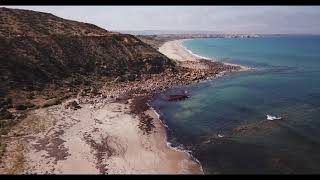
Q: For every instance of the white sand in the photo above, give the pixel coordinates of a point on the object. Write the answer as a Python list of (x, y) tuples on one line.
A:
[(174, 50)]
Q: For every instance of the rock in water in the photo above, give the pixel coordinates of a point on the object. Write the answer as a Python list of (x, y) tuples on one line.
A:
[(176, 97)]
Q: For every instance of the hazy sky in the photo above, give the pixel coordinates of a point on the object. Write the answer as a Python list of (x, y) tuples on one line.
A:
[(230, 19)]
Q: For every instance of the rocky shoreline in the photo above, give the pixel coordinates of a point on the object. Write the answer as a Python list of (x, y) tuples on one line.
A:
[(74, 98), (89, 119), (142, 90)]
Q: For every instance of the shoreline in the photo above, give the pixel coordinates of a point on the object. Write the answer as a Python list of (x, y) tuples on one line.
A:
[(174, 49), (169, 144), (189, 156), (180, 52), (108, 131)]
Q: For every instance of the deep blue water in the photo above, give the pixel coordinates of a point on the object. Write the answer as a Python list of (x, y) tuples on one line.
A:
[(285, 82)]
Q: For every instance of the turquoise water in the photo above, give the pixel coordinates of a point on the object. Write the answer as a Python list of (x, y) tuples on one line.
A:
[(286, 83)]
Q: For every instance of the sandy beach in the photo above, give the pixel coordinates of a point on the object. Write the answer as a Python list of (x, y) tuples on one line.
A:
[(101, 137), (175, 50)]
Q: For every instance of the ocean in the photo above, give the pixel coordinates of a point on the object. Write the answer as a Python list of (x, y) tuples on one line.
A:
[(224, 122)]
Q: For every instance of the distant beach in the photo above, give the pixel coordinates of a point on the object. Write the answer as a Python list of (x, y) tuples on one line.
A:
[(175, 50)]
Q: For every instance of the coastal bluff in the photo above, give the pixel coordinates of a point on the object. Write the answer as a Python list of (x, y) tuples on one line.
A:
[(38, 48)]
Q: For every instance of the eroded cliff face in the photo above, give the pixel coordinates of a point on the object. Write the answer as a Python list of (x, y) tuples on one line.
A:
[(38, 48)]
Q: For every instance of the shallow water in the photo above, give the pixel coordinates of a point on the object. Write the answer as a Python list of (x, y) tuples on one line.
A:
[(286, 83)]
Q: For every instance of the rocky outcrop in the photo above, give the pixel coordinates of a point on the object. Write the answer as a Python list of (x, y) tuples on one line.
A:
[(187, 72)]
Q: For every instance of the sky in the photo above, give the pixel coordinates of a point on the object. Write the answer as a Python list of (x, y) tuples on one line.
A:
[(226, 19)]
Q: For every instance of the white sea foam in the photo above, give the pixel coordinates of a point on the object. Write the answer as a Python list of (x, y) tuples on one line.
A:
[(158, 116), (271, 118), (245, 68), (193, 54), (179, 147), (220, 135)]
